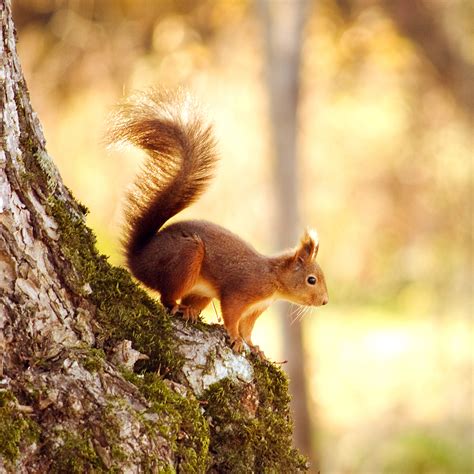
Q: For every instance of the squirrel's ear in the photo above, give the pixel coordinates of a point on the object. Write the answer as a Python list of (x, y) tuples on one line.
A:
[(309, 245)]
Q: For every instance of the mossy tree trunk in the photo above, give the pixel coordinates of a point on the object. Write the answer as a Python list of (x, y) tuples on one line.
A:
[(94, 376)]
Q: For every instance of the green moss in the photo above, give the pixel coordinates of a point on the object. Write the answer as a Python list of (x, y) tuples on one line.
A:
[(76, 454), (185, 428), (231, 449), (16, 429), (110, 427), (93, 360), (257, 432), (275, 449), (38, 168), (124, 310)]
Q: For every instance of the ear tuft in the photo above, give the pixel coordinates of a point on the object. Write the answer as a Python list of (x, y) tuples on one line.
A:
[(311, 235), (309, 245)]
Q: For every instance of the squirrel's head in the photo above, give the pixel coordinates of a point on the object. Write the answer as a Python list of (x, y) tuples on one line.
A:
[(302, 280)]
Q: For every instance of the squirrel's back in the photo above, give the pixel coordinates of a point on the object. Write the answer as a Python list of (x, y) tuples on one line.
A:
[(180, 160)]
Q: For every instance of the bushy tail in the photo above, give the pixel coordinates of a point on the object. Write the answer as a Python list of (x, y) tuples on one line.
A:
[(180, 160)]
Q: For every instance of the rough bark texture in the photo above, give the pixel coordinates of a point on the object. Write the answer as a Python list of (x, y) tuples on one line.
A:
[(94, 375)]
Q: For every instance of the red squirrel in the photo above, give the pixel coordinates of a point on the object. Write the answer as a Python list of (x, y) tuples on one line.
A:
[(191, 262)]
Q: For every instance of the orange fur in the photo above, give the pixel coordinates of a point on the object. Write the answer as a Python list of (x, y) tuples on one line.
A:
[(191, 262)]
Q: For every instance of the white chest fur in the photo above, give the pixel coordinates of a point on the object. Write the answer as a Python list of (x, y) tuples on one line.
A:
[(204, 288), (259, 306)]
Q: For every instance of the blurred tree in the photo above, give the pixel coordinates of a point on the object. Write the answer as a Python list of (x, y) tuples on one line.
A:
[(283, 25), (420, 21)]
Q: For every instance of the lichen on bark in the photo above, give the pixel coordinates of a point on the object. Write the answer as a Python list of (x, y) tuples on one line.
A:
[(17, 430), (94, 375)]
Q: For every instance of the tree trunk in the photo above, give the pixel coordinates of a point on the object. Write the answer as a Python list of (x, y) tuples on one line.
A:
[(283, 25), (94, 375)]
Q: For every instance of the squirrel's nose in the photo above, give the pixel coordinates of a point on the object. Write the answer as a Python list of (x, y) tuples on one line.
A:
[(325, 300)]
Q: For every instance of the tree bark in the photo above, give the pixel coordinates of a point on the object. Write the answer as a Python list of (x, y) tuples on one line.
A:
[(94, 375)]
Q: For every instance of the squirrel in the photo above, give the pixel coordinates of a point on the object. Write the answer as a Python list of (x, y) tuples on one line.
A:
[(191, 262)]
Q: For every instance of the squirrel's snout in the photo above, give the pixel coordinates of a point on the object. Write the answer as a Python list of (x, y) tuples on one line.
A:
[(325, 300)]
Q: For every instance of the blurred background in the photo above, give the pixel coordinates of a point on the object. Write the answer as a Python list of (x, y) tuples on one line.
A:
[(384, 143)]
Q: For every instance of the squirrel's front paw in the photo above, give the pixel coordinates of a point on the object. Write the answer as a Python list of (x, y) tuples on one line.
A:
[(237, 345)]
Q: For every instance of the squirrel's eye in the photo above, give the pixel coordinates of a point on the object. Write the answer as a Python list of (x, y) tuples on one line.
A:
[(311, 280)]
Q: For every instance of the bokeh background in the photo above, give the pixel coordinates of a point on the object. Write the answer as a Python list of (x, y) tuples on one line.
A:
[(385, 146)]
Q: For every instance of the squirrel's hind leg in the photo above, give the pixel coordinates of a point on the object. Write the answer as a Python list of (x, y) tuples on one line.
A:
[(184, 269)]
